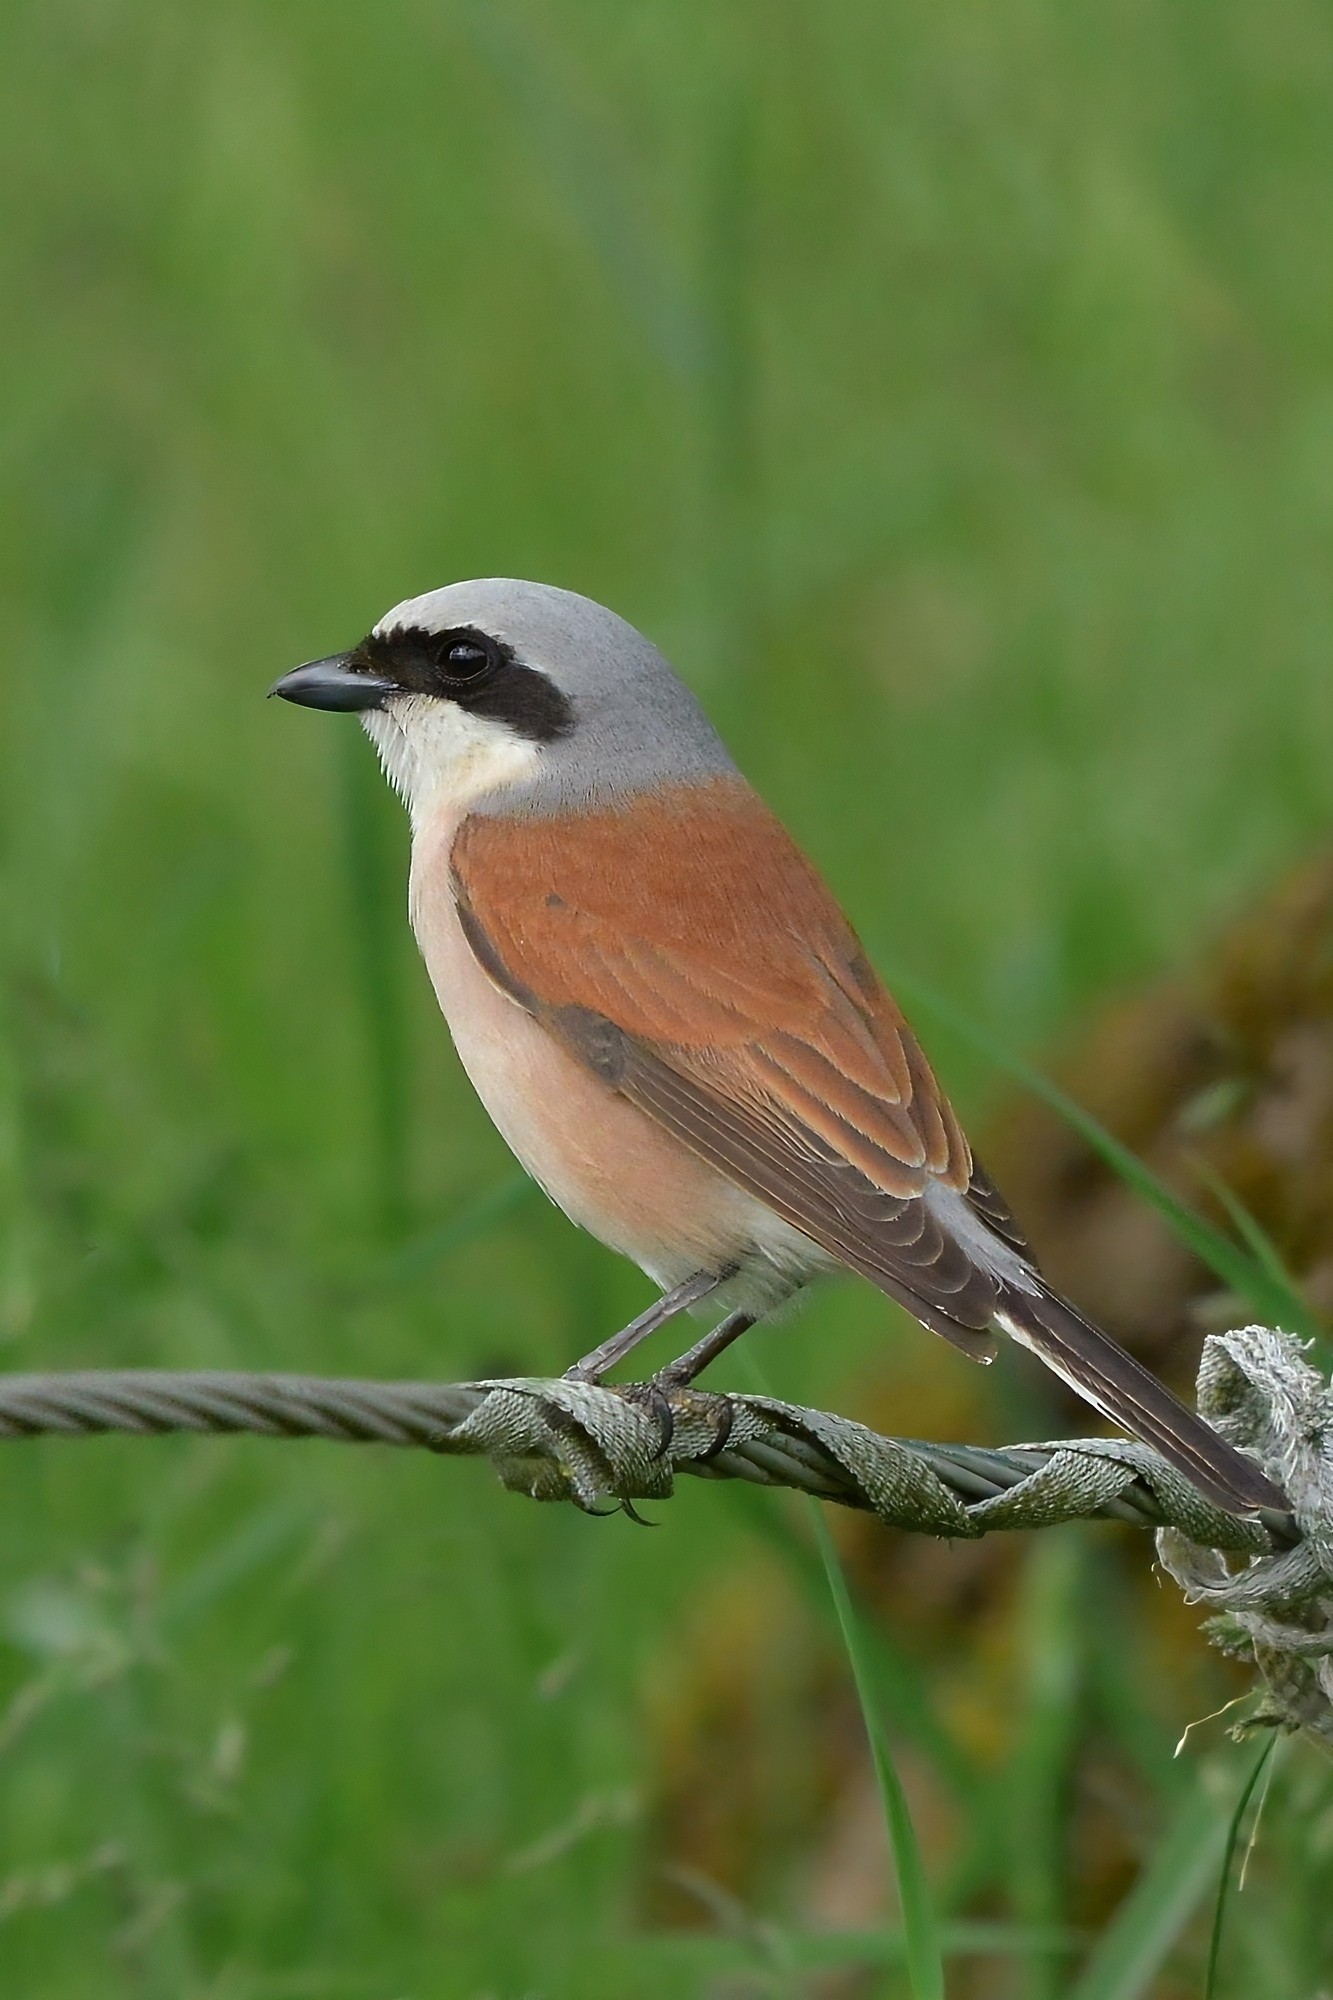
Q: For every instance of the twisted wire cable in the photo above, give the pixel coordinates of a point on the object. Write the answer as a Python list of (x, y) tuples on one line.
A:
[(562, 1439), (1267, 1580)]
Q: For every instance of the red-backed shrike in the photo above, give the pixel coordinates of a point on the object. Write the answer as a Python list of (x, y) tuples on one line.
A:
[(666, 1013)]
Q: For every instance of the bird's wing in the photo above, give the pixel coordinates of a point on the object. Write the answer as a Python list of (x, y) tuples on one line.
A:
[(684, 949)]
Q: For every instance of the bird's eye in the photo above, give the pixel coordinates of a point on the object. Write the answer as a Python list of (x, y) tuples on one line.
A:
[(465, 660)]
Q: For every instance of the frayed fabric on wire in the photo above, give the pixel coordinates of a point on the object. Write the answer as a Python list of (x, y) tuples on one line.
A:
[(1270, 1579), (1277, 1613)]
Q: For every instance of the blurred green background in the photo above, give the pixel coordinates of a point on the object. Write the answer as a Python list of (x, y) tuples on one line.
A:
[(949, 390)]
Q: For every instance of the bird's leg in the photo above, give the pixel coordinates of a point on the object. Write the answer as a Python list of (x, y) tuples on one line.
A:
[(593, 1367), (655, 1396), (691, 1364)]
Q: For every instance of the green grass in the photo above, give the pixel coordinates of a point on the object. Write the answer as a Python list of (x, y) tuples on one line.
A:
[(948, 390), (1250, 1267), (922, 1946)]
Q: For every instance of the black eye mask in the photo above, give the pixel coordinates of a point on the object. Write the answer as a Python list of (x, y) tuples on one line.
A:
[(478, 672)]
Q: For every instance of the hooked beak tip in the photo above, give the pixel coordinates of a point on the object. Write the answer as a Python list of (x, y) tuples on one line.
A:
[(334, 683)]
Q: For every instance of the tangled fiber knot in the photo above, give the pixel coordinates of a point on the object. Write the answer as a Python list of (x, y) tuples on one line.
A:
[(1276, 1611)]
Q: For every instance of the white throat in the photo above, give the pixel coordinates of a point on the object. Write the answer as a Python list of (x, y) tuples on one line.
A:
[(438, 757)]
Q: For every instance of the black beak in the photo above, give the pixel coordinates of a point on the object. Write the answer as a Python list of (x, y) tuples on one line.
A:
[(334, 683)]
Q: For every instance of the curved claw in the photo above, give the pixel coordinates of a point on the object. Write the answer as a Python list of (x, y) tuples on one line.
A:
[(726, 1423)]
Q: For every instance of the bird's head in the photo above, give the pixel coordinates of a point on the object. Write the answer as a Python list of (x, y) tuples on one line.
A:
[(499, 690)]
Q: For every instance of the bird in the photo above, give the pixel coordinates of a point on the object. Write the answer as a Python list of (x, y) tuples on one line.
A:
[(667, 1015)]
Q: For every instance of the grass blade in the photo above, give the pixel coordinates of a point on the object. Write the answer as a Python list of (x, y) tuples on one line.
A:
[(921, 1931), (1261, 1763), (1257, 1239), (1132, 1950), (422, 1253), (709, 1952), (1269, 1293), (593, 169), (1052, 1622), (374, 918), (900, 1687)]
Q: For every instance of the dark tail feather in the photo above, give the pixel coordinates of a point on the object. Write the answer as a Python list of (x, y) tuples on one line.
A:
[(1123, 1390)]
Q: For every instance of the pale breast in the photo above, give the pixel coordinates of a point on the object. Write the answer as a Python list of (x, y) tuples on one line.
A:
[(605, 1163)]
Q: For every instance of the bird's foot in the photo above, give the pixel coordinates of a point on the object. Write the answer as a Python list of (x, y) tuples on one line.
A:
[(668, 1399)]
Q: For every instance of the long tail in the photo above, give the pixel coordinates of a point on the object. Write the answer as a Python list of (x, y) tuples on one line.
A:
[(1123, 1390)]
